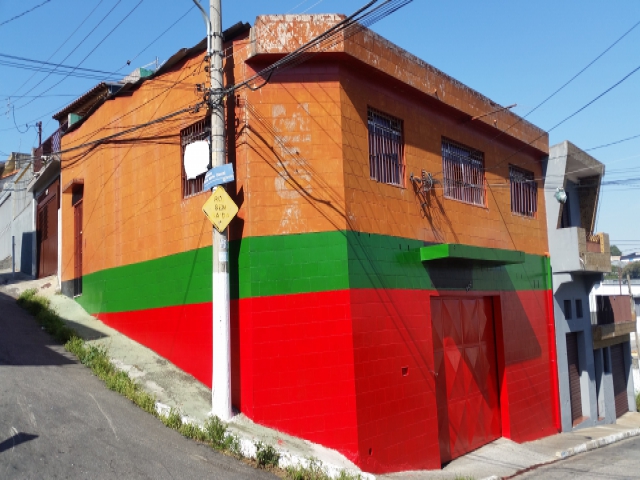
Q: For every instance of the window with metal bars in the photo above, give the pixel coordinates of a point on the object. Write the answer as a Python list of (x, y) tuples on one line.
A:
[(463, 173), (386, 149), (198, 131), (524, 192)]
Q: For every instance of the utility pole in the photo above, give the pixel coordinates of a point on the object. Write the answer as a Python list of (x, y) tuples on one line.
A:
[(39, 125), (221, 382)]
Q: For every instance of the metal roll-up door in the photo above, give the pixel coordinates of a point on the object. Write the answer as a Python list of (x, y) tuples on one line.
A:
[(574, 377), (619, 379)]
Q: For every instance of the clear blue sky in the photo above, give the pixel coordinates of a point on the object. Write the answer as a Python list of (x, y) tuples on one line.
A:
[(511, 51)]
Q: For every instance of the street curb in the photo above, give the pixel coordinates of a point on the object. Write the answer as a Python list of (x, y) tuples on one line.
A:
[(578, 449), (287, 459), (598, 443)]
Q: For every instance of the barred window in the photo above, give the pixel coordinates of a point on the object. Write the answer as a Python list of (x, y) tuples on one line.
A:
[(463, 173), (198, 131), (524, 192), (386, 158)]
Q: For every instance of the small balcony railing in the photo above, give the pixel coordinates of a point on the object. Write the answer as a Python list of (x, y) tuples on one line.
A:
[(612, 309), (594, 243)]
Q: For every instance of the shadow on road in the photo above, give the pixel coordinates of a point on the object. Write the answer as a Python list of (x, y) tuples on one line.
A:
[(22, 341), (16, 440)]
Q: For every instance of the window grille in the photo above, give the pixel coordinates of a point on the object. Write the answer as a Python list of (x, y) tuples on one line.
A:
[(524, 192), (386, 156), (463, 173), (198, 131)]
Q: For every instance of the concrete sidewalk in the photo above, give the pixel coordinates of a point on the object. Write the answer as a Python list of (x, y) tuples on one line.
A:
[(175, 389)]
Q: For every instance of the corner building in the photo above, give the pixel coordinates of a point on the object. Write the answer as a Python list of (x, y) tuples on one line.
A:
[(391, 290)]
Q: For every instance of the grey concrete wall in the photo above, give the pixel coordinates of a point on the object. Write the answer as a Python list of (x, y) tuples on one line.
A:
[(17, 222), (6, 215), (572, 289)]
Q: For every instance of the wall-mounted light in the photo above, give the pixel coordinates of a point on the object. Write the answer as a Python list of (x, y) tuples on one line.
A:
[(561, 195)]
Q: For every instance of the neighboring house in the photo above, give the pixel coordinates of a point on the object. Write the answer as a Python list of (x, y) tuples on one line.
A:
[(17, 235), (390, 282), (594, 354), (629, 257), (45, 188)]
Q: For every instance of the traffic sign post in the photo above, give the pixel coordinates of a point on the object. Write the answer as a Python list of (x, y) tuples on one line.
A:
[(220, 209)]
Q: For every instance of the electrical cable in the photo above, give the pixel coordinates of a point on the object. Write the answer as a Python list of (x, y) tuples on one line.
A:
[(76, 47), (570, 80), (24, 13), (93, 50), (157, 38), (61, 45), (299, 55)]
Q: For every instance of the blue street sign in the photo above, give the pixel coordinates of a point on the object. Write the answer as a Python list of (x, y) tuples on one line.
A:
[(218, 176)]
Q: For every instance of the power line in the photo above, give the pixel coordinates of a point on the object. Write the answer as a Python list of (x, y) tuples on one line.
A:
[(571, 79), (93, 50), (60, 46), (157, 38), (612, 143), (366, 15), (75, 48), (24, 13)]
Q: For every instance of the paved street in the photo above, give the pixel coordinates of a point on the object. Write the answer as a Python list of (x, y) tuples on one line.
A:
[(58, 421), (617, 461)]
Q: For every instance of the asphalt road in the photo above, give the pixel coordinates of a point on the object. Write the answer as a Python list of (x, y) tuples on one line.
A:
[(59, 421), (617, 461)]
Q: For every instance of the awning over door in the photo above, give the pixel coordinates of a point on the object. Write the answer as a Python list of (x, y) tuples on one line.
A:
[(497, 256)]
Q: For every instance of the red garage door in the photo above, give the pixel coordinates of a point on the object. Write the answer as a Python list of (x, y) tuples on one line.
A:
[(466, 375)]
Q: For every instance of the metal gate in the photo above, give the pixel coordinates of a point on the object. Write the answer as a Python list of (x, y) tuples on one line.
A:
[(77, 248), (47, 232), (466, 375), (574, 377), (618, 372)]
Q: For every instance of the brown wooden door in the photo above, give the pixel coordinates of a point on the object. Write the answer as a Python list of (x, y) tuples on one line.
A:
[(466, 375), (47, 232), (618, 371), (574, 377), (77, 248)]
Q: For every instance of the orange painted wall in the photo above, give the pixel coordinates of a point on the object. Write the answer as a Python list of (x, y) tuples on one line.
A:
[(390, 210), (133, 205), (289, 155), (301, 155)]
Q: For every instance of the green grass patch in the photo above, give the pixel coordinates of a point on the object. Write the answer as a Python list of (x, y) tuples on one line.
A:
[(266, 455), (314, 471), (47, 318), (638, 402)]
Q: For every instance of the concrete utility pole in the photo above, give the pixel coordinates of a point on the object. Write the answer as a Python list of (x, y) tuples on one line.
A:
[(221, 382)]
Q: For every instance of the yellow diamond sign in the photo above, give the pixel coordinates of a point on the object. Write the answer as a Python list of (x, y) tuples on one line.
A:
[(220, 209)]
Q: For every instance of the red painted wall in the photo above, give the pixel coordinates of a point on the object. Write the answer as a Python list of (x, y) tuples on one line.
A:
[(298, 376), (181, 334), (328, 366)]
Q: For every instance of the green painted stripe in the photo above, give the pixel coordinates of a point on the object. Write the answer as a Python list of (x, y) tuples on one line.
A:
[(379, 261), (179, 279), (278, 265), (303, 263)]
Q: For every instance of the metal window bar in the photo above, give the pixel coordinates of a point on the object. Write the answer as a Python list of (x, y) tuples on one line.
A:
[(524, 192), (463, 172), (386, 158), (198, 131)]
